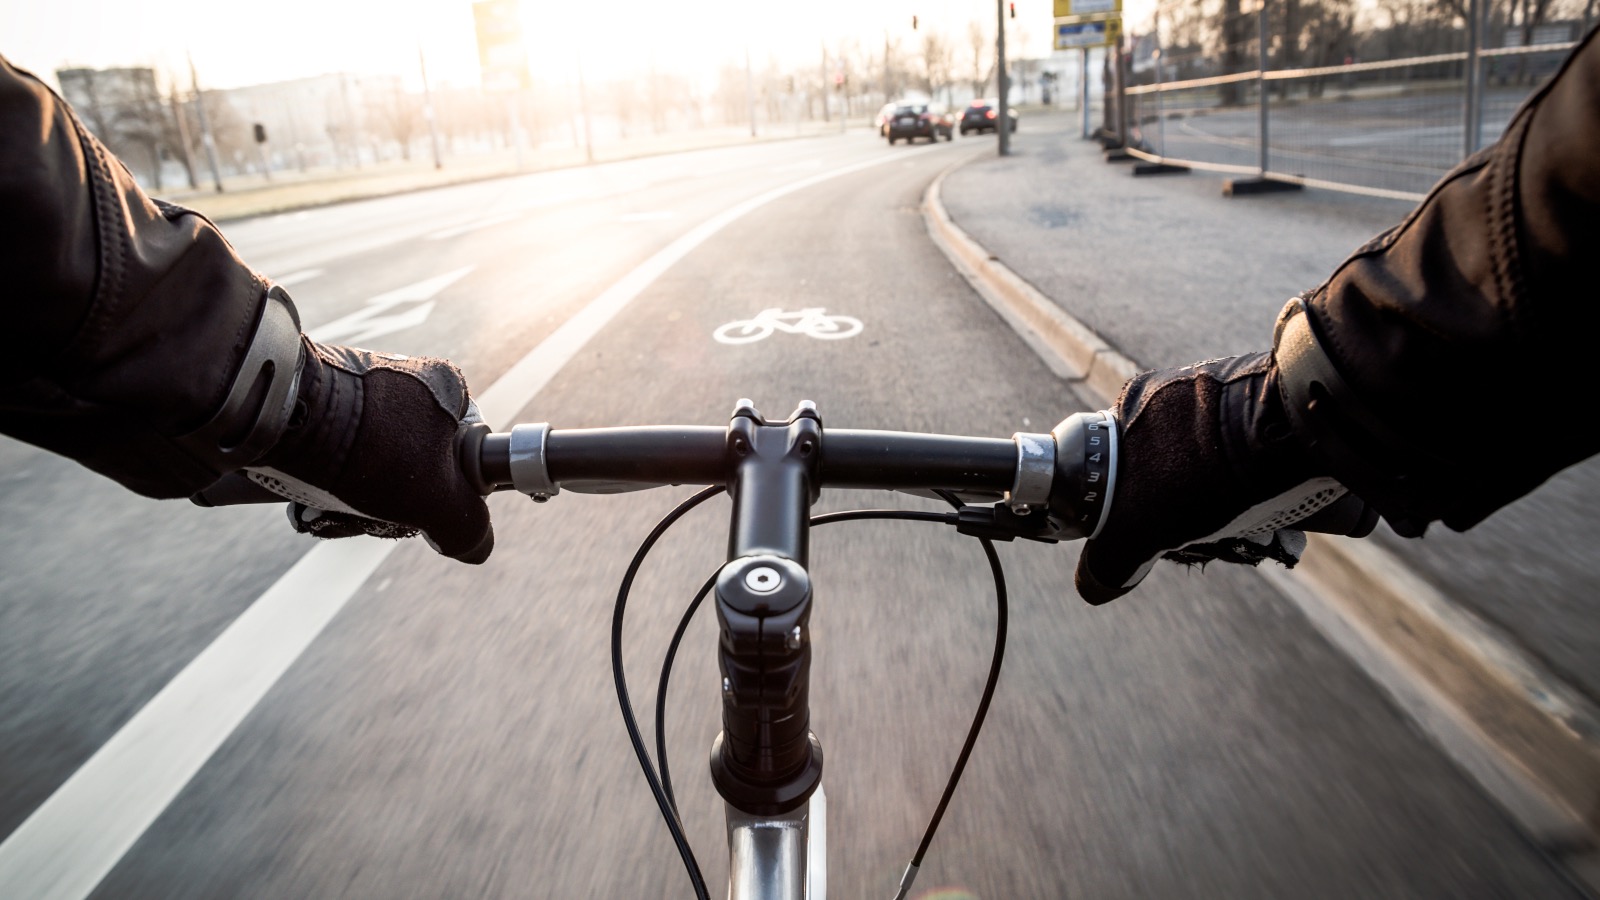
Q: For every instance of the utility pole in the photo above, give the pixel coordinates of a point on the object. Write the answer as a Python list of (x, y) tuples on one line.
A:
[(749, 91), (1472, 125), (427, 108), (826, 81), (183, 135), (205, 127), (1083, 89), (352, 131), (583, 102), (1004, 128)]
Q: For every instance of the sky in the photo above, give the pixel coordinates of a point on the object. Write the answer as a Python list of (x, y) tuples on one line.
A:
[(235, 44)]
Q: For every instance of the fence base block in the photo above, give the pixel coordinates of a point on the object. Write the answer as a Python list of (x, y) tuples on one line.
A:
[(1117, 154), (1241, 187), (1150, 168)]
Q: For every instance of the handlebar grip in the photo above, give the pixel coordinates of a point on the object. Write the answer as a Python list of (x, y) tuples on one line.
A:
[(234, 489)]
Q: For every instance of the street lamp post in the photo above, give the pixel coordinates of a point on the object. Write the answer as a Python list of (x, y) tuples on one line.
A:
[(427, 109), (1004, 128), (205, 128)]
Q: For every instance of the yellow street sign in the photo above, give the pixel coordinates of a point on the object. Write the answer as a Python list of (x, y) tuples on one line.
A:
[(1066, 8), (502, 55)]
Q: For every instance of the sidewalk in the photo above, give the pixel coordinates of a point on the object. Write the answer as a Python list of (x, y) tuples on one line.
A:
[(1499, 622), (244, 196)]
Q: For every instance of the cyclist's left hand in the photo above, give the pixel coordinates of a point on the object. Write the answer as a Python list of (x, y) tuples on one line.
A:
[(371, 449), (1207, 469)]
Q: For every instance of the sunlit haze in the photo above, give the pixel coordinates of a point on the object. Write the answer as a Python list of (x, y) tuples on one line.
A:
[(235, 44)]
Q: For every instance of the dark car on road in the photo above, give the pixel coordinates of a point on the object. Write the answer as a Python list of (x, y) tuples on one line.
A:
[(914, 120), (984, 115)]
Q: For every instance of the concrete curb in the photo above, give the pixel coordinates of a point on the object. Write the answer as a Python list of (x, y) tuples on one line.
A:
[(1530, 741)]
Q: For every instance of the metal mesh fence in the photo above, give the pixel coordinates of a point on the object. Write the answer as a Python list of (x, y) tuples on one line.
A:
[(1391, 127), (1394, 127)]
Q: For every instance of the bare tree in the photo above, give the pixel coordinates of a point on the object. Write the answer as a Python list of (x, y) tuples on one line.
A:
[(125, 109), (938, 62), (979, 44), (399, 117)]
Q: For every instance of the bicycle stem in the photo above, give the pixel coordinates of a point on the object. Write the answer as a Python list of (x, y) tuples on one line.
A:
[(766, 761)]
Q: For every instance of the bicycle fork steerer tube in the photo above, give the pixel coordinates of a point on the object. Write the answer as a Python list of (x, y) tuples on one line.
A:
[(766, 764)]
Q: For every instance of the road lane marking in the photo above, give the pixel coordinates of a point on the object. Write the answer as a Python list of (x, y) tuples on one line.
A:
[(470, 227), (71, 842), (811, 322), (74, 839), (294, 278), (658, 216), (376, 318)]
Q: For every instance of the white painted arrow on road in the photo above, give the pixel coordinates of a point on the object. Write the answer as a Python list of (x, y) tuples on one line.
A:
[(379, 317)]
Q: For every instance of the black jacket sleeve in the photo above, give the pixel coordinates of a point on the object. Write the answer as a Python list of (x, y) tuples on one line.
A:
[(127, 317), (1464, 334)]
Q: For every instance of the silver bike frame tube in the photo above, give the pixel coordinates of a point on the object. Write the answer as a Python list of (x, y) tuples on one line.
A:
[(779, 857)]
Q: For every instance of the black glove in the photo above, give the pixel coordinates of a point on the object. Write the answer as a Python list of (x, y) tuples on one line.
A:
[(371, 449), (1208, 469)]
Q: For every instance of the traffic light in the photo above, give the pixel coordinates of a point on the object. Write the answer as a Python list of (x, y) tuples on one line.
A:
[(913, 23), (1013, 10), (261, 133)]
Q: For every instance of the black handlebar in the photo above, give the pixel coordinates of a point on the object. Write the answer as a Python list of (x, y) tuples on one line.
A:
[(610, 460), (649, 456)]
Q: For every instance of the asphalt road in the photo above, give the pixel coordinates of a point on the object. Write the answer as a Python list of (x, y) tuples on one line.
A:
[(452, 731)]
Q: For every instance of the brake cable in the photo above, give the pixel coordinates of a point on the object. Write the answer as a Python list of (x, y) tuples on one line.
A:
[(661, 784)]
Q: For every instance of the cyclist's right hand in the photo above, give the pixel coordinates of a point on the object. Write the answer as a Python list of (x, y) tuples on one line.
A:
[(371, 449), (1208, 469)]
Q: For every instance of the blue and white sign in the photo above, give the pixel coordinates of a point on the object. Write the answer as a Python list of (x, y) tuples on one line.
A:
[(1094, 33)]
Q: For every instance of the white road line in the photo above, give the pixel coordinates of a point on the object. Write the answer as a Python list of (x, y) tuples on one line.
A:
[(63, 850), (294, 278), (376, 318), (472, 226), (80, 833), (656, 216)]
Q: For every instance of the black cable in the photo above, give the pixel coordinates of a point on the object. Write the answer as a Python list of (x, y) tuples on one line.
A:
[(914, 515), (989, 685), (983, 704), (668, 811), (661, 687)]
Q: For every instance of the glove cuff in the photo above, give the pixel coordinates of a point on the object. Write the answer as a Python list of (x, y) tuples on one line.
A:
[(323, 427), (1340, 430), (259, 404)]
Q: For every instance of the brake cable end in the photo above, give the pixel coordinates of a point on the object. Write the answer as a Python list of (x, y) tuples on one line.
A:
[(1000, 523), (906, 880)]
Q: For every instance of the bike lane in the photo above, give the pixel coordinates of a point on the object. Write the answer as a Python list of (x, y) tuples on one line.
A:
[(453, 732)]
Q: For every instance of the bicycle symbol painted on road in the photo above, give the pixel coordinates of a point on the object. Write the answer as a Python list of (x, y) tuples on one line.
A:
[(812, 322)]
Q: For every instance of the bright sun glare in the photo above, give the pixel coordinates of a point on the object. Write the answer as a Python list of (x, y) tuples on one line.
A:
[(236, 44)]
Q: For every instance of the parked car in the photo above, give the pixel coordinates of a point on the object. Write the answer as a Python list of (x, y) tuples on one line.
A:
[(984, 115), (914, 120)]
